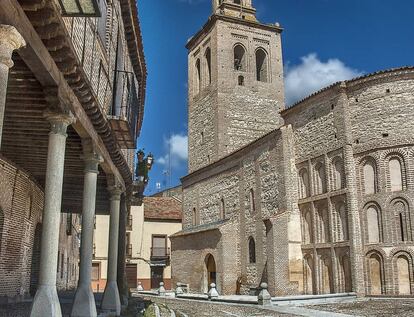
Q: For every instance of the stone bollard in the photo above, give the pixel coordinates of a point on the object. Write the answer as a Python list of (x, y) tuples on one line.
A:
[(264, 297), (161, 290), (140, 288), (212, 293), (179, 290)]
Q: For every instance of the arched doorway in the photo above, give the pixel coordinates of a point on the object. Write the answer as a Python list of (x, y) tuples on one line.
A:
[(211, 270), (35, 267)]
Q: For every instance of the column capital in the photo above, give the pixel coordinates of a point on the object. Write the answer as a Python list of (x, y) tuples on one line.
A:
[(91, 156), (10, 40), (115, 192), (59, 122)]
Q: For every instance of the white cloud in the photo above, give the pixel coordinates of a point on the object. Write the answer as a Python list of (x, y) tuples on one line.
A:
[(313, 74), (177, 145)]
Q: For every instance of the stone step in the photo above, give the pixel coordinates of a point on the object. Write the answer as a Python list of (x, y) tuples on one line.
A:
[(301, 300)]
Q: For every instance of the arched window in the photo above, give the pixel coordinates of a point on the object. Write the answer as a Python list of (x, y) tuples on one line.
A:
[(343, 221), (197, 83), (395, 174), (307, 227), (404, 278), (252, 202), (222, 209), (252, 250), (207, 56), (373, 224), (323, 224), (346, 274), (308, 272), (303, 183), (338, 174), (240, 63), (326, 273), (320, 185), (375, 274), (261, 65), (195, 217), (1, 227), (370, 178), (404, 221)]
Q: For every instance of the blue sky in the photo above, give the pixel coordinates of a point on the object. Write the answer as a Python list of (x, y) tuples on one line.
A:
[(324, 41)]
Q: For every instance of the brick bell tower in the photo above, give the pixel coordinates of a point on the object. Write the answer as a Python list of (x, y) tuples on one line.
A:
[(235, 82)]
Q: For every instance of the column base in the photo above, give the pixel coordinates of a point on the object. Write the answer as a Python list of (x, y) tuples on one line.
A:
[(111, 300), (46, 302), (84, 303)]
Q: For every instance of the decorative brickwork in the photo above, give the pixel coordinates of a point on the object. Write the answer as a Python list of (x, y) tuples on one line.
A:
[(327, 197)]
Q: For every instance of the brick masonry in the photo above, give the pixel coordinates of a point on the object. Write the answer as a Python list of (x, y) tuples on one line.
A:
[(299, 186), (21, 205)]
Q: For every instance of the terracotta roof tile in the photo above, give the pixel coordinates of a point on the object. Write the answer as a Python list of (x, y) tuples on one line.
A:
[(162, 208)]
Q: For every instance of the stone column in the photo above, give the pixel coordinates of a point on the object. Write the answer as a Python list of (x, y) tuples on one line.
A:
[(84, 303), (111, 300), (46, 301), (10, 40)]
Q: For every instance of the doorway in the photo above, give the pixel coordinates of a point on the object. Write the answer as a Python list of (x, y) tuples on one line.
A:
[(157, 276), (211, 271)]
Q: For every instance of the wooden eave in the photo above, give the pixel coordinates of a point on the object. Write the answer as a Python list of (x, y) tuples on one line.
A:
[(51, 57)]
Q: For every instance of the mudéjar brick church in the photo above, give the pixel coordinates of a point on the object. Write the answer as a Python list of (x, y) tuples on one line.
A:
[(315, 198)]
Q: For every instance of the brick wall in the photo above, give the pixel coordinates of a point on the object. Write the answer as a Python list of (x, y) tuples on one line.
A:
[(21, 205), (331, 136)]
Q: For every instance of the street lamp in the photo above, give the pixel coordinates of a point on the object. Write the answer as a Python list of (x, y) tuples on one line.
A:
[(80, 8)]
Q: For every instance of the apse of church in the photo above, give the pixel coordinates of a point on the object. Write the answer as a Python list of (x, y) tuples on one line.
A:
[(314, 198)]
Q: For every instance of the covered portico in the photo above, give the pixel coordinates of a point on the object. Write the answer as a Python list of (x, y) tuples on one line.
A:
[(52, 127)]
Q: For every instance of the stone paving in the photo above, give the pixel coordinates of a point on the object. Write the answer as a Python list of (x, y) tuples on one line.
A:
[(373, 307)]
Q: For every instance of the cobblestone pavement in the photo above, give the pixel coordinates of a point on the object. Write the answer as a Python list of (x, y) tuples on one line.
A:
[(372, 307)]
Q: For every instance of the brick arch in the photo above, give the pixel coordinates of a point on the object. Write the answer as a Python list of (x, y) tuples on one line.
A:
[(401, 156), (375, 272), (403, 277), (367, 224), (319, 180), (308, 273), (337, 181), (401, 222), (369, 160)]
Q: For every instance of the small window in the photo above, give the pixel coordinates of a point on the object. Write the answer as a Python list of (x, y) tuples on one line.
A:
[(208, 64), (237, 1), (252, 202), (241, 80), (261, 65), (252, 250), (197, 83), (194, 217), (240, 58)]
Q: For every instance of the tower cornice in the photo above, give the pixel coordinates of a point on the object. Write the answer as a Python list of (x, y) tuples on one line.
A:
[(200, 35)]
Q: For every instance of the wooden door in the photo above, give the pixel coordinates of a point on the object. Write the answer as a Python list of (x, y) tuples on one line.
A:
[(131, 275)]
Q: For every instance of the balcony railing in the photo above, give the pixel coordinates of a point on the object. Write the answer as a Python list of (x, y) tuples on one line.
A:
[(129, 250), (124, 119), (129, 223), (160, 253)]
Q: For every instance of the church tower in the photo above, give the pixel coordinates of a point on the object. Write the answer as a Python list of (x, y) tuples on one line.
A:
[(235, 82)]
